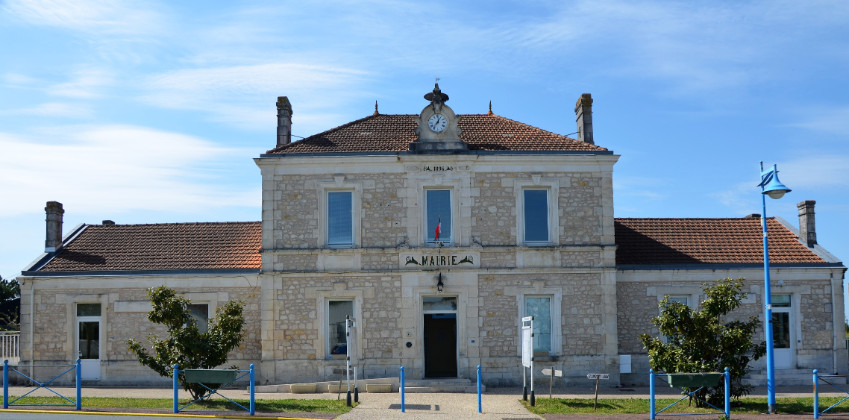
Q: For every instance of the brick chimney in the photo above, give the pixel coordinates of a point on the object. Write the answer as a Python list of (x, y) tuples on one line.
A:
[(584, 117), (284, 121), (807, 223), (54, 226)]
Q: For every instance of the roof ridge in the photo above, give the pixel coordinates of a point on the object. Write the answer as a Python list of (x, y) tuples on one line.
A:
[(174, 224), (278, 149), (527, 125)]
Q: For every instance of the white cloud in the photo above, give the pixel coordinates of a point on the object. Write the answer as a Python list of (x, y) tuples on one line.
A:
[(833, 120), (90, 16), (85, 83), (116, 168), (53, 109)]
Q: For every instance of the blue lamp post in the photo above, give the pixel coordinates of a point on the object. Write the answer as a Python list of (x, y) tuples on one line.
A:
[(771, 186)]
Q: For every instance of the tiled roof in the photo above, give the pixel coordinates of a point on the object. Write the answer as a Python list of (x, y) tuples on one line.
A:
[(393, 133), (707, 241), (156, 247), (236, 245)]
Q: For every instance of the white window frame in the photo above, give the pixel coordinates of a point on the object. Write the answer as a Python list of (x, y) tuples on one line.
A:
[(553, 188), (340, 185), (326, 327), (556, 296)]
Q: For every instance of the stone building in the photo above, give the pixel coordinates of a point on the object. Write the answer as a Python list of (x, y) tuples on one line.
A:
[(436, 232)]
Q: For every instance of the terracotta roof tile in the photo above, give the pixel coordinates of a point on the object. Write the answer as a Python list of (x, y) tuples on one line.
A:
[(394, 133), (174, 246), (236, 245), (707, 241)]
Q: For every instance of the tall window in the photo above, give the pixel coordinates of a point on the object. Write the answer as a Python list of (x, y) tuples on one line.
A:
[(200, 313), (337, 310), (536, 216), (539, 307), (340, 219), (438, 216)]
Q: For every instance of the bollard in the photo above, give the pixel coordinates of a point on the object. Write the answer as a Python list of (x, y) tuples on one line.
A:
[(479, 390), (816, 397), (651, 393), (6, 384), (253, 401), (175, 384), (402, 389), (79, 378), (727, 393)]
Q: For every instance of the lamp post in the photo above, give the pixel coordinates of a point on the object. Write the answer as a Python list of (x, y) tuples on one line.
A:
[(770, 185)]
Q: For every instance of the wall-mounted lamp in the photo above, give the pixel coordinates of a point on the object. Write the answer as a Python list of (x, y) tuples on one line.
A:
[(440, 285)]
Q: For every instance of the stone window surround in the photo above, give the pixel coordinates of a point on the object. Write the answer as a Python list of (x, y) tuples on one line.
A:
[(322, 344), (75, 319), (340, 184), (537, 183), (556, 295)]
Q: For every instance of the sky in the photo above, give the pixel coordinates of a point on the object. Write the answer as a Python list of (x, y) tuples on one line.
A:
[(152, 112)]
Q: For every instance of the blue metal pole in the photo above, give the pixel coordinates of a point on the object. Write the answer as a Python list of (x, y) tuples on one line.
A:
[(816, 396), (770, 358), (727, 394), (480, 408), (5, 384), (79, 385), (253, 401), (651, 392), (402, 389), (175, 384)]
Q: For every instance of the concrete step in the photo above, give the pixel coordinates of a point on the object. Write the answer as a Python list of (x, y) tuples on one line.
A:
[(787, 377)]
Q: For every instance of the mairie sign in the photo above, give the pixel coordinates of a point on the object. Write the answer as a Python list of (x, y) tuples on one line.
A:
[(435, 260)]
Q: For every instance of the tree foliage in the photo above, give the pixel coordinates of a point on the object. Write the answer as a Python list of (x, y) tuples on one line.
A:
[(186, 345), (10, 305), (698, 341)]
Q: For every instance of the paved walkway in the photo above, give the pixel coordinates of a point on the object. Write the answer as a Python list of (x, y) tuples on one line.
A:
[(497, 403)]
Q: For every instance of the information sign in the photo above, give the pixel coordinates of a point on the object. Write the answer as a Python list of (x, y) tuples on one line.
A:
[(527, 341)]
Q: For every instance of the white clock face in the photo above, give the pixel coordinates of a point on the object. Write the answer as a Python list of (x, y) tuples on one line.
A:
[(437, 123)]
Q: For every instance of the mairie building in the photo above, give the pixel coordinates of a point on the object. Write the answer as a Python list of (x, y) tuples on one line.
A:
[(436, 233)]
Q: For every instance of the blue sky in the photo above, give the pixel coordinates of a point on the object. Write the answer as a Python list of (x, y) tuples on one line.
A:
[(150, 112)]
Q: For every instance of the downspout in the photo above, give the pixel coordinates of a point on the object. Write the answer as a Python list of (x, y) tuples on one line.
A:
[(32, 327), (836, 329)]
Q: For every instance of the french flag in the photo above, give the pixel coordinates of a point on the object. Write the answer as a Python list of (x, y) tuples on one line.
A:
[(438, 228)]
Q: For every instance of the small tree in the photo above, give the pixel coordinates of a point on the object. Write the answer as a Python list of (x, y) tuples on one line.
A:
[(698, 341), (186, 345)]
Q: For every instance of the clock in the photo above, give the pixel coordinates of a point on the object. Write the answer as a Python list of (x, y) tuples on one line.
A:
[(437, 123)]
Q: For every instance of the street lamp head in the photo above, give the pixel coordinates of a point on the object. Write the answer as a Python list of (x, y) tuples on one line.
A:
[(771, 185)]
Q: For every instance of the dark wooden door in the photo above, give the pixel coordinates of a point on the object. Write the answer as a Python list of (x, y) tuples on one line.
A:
[(440, 345)]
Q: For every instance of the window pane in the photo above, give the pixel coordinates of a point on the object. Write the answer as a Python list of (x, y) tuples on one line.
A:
[(536, 216), (89, 340), (781, 301), (200, 313), (439, 304), (337, 311), (680, 299), (88, 309), (339, 218), (439, 209), (540, 309), (781, 330)]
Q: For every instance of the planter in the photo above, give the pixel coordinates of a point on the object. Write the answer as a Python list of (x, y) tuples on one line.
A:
[(210, 376), (693, 380)]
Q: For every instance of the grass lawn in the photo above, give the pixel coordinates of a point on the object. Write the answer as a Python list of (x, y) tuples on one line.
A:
[(636, 406), (262, 406)]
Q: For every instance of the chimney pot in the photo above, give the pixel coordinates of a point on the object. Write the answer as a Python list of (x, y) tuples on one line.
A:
[(284, 121), (807, 223), (54, 212), (584, 118)]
